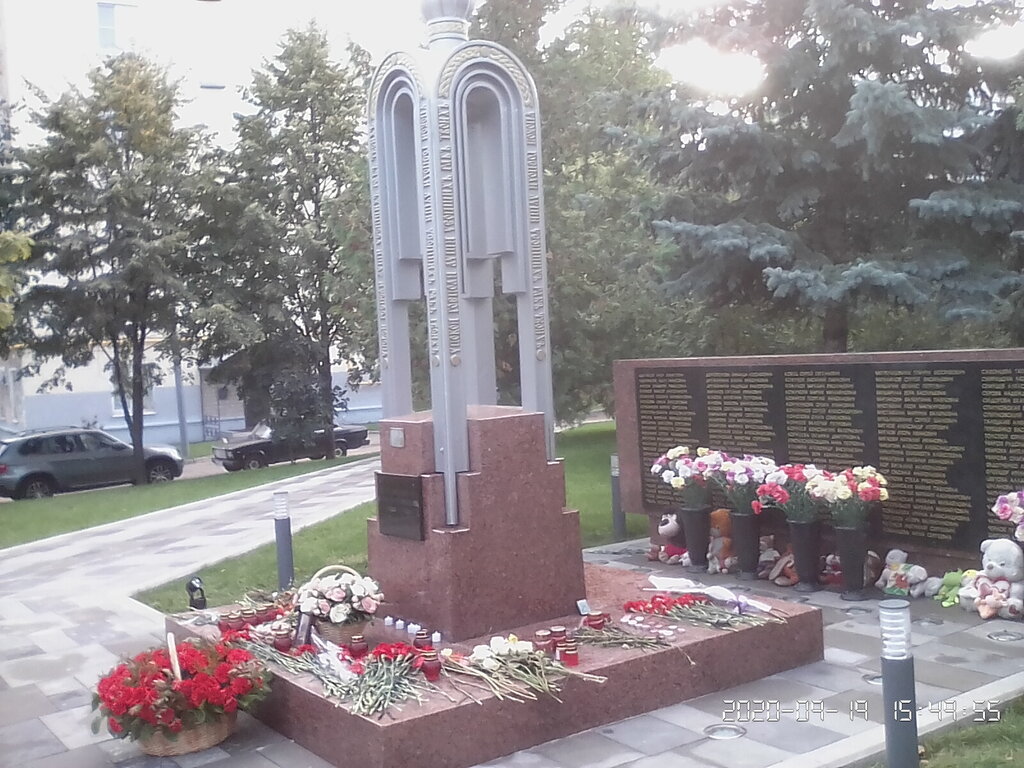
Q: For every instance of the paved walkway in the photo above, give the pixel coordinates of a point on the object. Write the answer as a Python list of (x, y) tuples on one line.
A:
[(65, 618)]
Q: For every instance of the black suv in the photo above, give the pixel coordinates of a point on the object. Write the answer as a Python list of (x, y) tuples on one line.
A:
[(40, 464)]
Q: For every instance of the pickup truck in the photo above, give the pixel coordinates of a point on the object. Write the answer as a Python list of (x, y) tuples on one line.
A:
[(258, 448)]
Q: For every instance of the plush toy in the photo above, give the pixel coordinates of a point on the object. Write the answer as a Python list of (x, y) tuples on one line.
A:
[(928, 588), (673, 552), (950, 585), (968, 592), (783, 573), (899, 577), (720, 556), (872, 567), (832, 571), (768, 558), (1001, 583)]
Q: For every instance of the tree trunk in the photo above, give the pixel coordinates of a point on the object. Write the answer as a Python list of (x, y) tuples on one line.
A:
[(326, 387), (836, 329), (138, 410)]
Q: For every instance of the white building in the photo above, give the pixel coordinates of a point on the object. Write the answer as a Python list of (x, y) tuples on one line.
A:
[(211, 46)]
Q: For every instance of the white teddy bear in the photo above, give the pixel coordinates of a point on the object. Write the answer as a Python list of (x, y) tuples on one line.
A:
[(1000, 584)]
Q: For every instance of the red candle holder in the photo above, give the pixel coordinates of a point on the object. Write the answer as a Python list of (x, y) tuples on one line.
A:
[(358, 647), (431, 666), (594, 620)]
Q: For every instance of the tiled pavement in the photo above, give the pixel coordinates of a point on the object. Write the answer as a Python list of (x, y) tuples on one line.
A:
[(65, 618)]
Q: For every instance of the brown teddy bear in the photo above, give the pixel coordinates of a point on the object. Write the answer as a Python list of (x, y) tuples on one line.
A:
[(720, 556)]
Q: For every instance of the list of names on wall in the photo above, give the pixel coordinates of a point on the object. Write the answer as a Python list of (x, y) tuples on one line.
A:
[(946, 433), (1002, 403), (738, 412), (822, 418), (666, 410), (920, 451)]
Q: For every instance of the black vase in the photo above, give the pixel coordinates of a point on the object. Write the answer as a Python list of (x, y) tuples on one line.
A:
[(697, 529), (745, 542), (852, 544), (805, 538)]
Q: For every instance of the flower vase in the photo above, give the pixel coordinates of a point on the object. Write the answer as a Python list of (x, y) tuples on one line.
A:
[(195, 738), (745, 542), (852, 544), (804, 538), (697, 531)]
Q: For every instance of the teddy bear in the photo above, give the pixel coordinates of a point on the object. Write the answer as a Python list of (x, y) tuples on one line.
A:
[(968, 593), (832, 570), (899, 577), (783, 573), (1000, 584), (768, 558), (720, 556), (673, 551)]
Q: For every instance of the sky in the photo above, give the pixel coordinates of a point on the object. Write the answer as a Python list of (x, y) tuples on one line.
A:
[(220, 43)]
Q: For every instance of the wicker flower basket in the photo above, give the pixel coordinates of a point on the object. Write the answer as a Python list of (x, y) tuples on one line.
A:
[(194, 739), (339, 634)]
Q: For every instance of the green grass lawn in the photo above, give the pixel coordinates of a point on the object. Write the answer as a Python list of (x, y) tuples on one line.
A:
[(343, 538), (201, 450), (23, 521), (986, 745)]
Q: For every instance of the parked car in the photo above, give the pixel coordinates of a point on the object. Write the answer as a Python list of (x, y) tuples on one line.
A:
[(258, 448), (34, 465)]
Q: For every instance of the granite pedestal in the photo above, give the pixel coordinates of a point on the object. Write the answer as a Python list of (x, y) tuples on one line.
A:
[(515, 556), (459, 732)]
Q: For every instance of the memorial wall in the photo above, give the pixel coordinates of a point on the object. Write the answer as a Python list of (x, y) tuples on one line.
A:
[(940, 426)]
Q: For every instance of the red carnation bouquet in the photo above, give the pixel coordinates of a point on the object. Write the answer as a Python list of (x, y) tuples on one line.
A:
[(143, 696)]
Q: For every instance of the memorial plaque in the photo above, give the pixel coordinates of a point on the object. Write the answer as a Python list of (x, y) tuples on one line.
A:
[(400, 506), (942, 430)]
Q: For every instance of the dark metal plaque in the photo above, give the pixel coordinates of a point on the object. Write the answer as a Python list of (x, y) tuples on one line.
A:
[(400, 506)]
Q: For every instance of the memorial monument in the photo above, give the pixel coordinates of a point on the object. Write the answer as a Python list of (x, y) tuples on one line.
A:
[(470, 499)]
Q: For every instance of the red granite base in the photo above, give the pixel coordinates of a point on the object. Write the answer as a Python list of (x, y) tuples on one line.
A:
[(515, 556), (461, 733)]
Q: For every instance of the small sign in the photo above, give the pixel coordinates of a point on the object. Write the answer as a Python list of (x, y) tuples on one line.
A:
[(583, 607), (400, 506)]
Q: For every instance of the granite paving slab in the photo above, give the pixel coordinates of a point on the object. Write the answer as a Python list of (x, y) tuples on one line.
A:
[(954, 677), (26, 741), (521, 760), (76, 697), (737, 753), (668, 760), (83, 757), (588, 750), (22, 703), (242, 760), (792, 736), (288, 754), (205, 757), (649, 735), (74, 727)]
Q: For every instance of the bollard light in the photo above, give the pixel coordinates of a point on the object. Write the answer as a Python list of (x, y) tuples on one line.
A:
[(283, 540), (900, 700), (894, 621), (196, 593), (618, 515)]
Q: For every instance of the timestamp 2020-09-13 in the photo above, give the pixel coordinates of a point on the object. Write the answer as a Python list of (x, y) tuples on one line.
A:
[(816, 710)]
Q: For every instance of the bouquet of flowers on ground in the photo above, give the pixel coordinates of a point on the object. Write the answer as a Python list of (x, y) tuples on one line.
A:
[(786, 488), (1010, 508), (151, 693), (849, 493), (739, 479), (339, 598), (689, 472), (511, 669)]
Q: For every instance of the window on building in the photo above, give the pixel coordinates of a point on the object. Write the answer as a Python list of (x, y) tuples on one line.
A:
[(106, 14), (148, 406)]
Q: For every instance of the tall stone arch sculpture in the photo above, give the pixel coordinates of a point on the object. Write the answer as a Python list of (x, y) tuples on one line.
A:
[(455, 164)]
